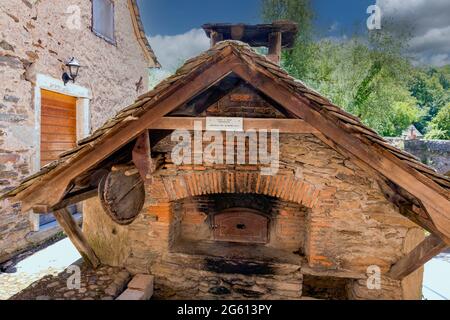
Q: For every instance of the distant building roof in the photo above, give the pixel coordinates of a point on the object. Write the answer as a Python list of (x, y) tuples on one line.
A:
[(412, 133)]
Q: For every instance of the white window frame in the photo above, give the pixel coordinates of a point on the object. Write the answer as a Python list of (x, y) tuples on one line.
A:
[(98, 33), (83, 117)]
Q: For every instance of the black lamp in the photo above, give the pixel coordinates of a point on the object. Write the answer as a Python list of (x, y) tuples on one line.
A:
[(73, 66)]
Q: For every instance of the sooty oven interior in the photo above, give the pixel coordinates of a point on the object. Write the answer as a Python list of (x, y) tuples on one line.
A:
[(239, 223)]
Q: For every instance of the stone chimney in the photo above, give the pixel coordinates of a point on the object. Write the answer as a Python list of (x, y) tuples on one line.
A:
[(275, 36)]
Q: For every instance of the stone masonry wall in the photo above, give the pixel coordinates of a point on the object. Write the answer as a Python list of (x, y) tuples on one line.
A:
[(435, 153), (36, 39), (349, 226)]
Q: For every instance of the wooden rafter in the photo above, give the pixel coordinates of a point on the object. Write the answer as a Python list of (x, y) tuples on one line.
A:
[(431, 195), (52, 193), (420, 255), (68, 201)]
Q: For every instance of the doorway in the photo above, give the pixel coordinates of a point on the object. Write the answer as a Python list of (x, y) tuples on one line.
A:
[(58, 132)]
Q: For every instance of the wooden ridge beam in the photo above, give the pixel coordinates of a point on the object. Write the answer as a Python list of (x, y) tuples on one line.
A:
[(425, 251), (284, 125), (73, 231)]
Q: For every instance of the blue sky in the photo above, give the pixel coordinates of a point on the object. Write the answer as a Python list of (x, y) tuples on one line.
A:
[(172, 17), (174, 26)]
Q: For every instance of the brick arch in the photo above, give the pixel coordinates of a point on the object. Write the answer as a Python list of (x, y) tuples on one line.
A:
[(284, 187)]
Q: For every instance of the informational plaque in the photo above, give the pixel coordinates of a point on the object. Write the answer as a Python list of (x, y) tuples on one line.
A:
[(224, 124)]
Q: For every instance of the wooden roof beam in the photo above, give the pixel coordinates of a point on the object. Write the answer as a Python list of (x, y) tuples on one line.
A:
[(284, 125), (420, 255), (430, 194), (52, 192)]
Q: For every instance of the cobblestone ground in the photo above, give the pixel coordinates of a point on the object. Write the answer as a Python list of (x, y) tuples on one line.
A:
[(49, 259), (105, 283), (11, 283)]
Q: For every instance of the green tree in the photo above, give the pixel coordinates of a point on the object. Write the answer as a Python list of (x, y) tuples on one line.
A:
[(428, 87), (367, 74), (440, 125), (297, 60)]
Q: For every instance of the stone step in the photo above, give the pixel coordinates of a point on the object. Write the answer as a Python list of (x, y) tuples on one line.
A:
[(139, 288)]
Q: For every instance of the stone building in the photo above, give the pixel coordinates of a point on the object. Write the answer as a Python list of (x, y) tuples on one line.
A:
[(41, 117), (337, 213)]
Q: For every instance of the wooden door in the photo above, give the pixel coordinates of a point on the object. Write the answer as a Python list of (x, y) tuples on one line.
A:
[(241, 225), (58, 125)]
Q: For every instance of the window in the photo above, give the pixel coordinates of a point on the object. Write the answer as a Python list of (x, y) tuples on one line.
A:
[(103, 19)]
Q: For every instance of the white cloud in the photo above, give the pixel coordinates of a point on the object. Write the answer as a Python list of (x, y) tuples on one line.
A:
[(172, 51), (428, 23)]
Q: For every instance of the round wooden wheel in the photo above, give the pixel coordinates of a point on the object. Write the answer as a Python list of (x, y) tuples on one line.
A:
[(122, 196)]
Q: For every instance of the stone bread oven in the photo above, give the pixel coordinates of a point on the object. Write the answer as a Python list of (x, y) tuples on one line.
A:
[(321, 220)]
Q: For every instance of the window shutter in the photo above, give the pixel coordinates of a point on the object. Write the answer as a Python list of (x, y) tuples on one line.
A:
[(103, 19)]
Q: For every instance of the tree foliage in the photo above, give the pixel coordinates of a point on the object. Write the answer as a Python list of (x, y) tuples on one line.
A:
[(430, 86), (301, 12), (440, 125), (366, 74)]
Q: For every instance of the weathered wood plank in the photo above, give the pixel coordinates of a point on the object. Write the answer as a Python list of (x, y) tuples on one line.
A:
[(74, 199), (68, 201), (122, 196), (142, 157), (424, 252), (284, 125), (75, 235), (275, 47)]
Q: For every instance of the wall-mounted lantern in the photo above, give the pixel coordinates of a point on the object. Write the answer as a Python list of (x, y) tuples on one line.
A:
[(74, 66)]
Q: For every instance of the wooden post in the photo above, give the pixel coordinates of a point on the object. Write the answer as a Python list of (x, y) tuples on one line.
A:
[(237, 32), (75, 235), (421, 254), (142, 157), (275, 47), (215, 38)]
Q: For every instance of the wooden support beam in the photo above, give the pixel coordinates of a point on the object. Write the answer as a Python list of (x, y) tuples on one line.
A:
[(75, 235), (76, 198), (70, 200), (142, 157), (237, 32), (275, 47), (424, 252), (284, 125)]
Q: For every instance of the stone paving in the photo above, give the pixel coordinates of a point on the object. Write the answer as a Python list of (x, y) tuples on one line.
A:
[(105, 283), (11, 283), (34, 265)]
